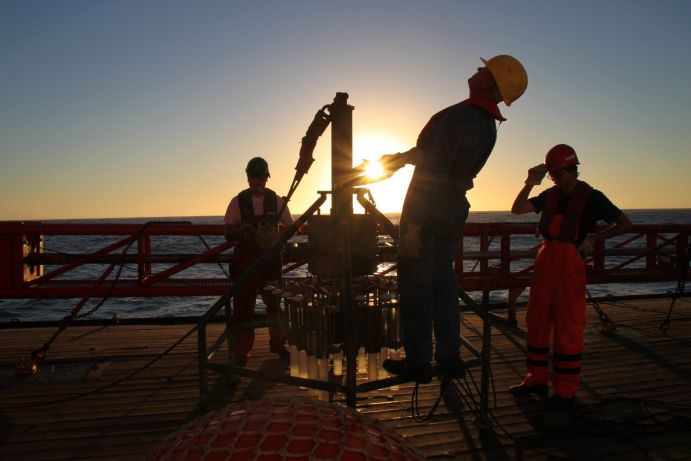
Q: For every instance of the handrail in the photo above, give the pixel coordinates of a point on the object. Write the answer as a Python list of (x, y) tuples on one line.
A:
[(650, 252)]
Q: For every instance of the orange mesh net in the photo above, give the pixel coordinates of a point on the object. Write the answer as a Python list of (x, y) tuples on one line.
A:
[(296, 429)]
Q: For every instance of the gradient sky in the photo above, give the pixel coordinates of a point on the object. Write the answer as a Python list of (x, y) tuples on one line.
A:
[(152, 108)]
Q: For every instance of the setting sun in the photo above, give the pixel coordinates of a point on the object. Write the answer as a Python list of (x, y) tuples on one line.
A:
[(389, 193), (374, 170)]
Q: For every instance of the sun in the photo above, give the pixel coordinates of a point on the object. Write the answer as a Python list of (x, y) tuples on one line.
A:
[(388, 194), (374, 170)]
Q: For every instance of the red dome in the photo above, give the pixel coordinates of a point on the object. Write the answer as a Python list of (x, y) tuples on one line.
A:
[(298, 429)]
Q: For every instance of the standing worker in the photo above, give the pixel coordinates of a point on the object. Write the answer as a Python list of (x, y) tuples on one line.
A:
[(450, 152), (252, 221), (570, 211)]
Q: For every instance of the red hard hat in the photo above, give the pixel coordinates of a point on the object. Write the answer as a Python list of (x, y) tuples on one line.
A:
[(561, 156)]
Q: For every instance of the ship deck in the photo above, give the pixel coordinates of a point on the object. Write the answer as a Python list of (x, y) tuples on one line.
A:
[(635, 401)]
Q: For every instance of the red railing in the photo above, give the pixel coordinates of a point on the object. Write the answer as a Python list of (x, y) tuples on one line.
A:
[(488, 260), (649, 253)]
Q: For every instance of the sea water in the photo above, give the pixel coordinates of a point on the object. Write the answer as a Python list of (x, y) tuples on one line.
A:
[(56, 309)]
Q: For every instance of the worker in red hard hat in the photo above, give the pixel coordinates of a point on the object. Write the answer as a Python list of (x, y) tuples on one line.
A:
[(252, 221), (569, 211), (451, 150)]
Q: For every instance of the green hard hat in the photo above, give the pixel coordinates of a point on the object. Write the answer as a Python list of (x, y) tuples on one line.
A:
[(257, 167)]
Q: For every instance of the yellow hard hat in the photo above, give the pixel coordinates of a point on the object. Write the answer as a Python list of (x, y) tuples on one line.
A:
[(510, 75)]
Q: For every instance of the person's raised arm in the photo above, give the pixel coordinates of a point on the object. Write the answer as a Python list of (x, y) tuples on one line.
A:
[(521, 204)]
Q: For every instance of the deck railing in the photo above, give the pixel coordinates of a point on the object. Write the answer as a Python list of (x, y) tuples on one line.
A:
[(493, 256)]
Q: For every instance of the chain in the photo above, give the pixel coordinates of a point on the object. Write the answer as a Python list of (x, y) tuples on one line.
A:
[(607, 326), (30, 366), (208, 248)]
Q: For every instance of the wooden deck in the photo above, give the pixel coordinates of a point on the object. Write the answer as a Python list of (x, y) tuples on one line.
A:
[(637, 370)]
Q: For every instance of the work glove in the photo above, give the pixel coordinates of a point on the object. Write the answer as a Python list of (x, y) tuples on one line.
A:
[(587, 246), (410, 245), (243, 231), (536, 174)]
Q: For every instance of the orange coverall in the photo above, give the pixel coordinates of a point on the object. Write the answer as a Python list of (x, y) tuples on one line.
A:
[(557, 304)]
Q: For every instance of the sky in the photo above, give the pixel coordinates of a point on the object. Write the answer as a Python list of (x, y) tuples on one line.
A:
[(152, 108)]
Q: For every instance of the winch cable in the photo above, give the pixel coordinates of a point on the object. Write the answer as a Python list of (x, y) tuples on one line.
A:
[(681, 285), (321, 121)]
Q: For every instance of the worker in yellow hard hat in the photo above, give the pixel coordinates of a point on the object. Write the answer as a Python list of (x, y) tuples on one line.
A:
[(451, 150)]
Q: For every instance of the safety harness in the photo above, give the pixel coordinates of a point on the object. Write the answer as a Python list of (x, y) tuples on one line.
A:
[(568, 231), (270, 216)]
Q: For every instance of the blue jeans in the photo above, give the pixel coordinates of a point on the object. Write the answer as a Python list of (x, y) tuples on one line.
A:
[(429, 299)]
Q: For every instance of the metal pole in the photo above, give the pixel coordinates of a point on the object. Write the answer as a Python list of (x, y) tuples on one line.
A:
[(486, 356), (350, 332), (342, 213), (201, 363), (341, 156)]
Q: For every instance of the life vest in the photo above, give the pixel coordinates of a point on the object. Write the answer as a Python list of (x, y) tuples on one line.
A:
[(270, 216), (564, 226)]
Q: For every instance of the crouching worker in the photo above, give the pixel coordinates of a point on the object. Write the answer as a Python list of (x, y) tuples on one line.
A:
[(252, 221), (570, 211)]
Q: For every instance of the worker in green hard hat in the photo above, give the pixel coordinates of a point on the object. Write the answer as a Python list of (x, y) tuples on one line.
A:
[(252, 221)]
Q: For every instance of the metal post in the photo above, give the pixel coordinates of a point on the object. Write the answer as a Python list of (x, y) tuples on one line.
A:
[(486, 356), (342, 212), (230, 332), (341, 156), (201, 363), (350, 332), (143, 253)]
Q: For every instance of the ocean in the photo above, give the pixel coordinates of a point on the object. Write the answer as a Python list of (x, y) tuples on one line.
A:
[(13, 310)]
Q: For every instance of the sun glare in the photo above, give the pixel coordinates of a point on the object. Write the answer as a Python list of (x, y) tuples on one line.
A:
[(389, 193), (374, 170)]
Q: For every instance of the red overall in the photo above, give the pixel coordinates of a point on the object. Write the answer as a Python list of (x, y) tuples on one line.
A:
[(557, 300), (246, 252)]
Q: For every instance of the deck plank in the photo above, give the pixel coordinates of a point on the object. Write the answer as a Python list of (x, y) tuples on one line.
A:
[(126, 421)]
